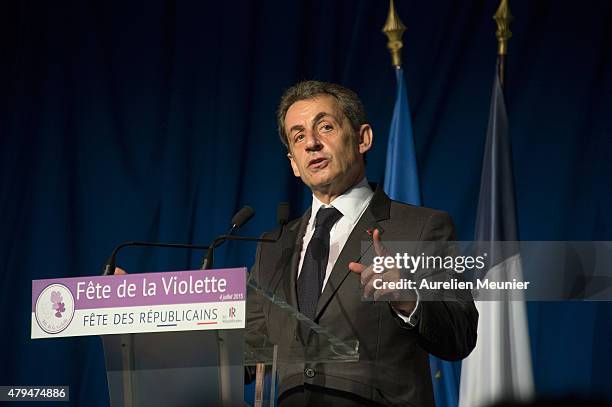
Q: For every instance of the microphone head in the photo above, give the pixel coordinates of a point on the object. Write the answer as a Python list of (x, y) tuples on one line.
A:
[(242, 216), (282, 213)]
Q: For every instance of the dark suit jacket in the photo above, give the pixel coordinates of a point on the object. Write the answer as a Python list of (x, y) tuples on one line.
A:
[(393, 366)]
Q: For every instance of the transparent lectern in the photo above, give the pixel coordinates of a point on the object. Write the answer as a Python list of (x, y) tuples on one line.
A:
[(207, 367)]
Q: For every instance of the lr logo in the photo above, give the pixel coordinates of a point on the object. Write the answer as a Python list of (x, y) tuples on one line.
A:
[(232, 312)]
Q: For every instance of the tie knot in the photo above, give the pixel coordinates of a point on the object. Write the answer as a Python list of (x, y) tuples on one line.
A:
[(326, 217)]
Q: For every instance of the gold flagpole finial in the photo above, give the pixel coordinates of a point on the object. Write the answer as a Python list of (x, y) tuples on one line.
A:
[(394, 30), (503, 18)]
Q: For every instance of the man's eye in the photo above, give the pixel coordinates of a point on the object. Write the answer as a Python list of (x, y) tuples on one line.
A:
[(299, 137), (326, 127)]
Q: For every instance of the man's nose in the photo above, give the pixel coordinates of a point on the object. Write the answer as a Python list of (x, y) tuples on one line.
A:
[(313, 143)]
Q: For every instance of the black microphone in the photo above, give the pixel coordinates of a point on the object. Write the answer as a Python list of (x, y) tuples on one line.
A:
[(242, 216), (282, 218), (282, 215), (238, 220)]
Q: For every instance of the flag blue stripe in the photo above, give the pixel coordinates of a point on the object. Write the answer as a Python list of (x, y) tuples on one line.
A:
[(401, 175), (402, 184)]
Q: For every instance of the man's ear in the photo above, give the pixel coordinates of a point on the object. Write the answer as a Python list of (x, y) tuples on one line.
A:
[(294, 166), (366, 138)]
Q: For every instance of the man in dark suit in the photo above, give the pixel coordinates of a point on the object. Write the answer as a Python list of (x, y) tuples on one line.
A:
[(320, 267)]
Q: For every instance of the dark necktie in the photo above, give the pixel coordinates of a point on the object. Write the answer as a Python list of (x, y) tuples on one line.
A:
[(310, 282)]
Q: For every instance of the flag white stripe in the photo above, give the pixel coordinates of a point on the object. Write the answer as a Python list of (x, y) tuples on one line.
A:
[(499, 367)]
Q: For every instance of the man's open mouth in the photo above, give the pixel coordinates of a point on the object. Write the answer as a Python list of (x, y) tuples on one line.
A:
[(318, 162)]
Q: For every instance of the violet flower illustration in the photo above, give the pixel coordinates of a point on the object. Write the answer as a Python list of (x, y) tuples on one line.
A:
[(57, 304), (56, 297)]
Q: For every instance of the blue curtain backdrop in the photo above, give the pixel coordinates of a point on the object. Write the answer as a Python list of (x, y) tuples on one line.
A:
[(155, 121)]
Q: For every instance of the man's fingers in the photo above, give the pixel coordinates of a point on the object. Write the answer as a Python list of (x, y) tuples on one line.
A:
[(383, 290), (368, 288), (356, 267), (379, 248), (365, 272), (119, 271), (369, 291)]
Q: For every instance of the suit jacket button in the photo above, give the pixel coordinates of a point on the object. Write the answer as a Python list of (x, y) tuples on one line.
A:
[(309, 372)]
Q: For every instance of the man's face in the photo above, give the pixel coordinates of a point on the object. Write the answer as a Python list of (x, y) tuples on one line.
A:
[(324, 150)]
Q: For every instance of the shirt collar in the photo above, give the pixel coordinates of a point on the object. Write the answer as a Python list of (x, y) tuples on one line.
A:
[(351, 204)]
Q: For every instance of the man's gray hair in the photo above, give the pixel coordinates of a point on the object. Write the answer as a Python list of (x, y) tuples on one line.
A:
[(347, 100)]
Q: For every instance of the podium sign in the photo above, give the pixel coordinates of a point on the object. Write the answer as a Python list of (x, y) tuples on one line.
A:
[(139, 303), (179, 338)]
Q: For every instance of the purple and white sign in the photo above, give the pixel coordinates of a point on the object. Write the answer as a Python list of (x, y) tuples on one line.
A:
[(137, 303)]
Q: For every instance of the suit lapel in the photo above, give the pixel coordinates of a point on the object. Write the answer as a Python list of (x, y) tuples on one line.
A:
[(294, 241), (377, 210)]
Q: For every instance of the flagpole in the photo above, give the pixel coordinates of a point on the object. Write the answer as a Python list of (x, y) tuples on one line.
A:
[(394, 30), (401, 181), (502, 18)]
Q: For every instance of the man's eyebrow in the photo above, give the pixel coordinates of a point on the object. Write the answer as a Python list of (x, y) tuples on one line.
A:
[(297, 127), (319, 116)]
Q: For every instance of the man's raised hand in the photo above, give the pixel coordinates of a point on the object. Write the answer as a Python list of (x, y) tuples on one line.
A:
[(369, 279)]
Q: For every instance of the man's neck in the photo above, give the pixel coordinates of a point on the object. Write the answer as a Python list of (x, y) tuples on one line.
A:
[(327, 196)]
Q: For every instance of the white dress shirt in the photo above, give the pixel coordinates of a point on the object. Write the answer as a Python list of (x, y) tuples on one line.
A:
[(352, 204)]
